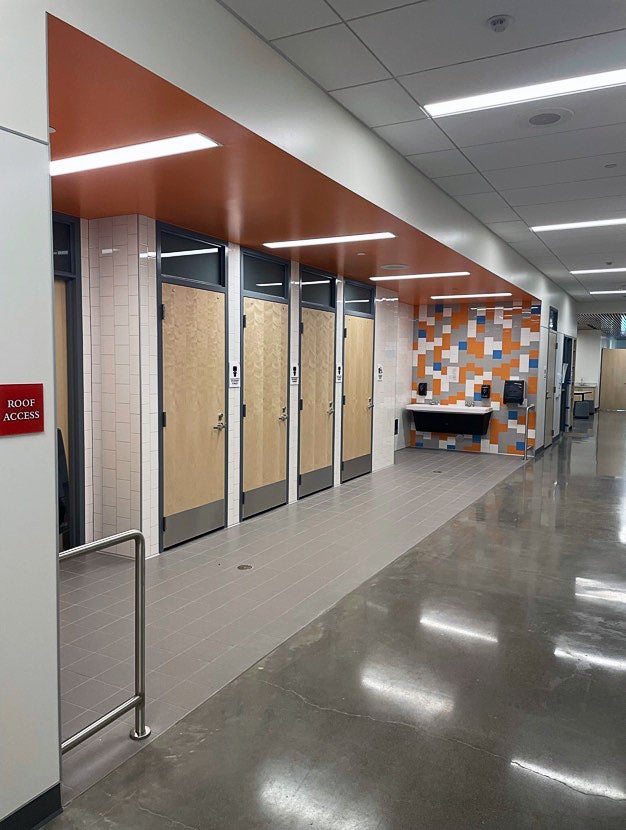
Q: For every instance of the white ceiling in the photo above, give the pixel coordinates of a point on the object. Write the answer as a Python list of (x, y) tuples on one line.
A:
[(383, 59)]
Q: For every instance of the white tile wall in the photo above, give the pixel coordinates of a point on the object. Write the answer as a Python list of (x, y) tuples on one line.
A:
[(233, 297), (87, 390), (404, 373), (294, 389), (116, 415), (338, 386), (385, 347)]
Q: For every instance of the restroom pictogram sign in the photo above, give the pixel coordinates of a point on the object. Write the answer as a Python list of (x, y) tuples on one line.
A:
[(21, 408)]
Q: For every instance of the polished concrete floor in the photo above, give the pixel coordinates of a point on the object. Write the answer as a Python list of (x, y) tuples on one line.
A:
[(477, 681), (208, 621)]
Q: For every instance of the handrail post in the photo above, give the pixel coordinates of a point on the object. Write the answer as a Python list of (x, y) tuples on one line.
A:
[(528, 409), (140, 731)]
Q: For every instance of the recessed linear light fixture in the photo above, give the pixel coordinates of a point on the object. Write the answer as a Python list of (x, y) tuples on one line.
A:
[(330, 240), (355, 301), (614, 291), (521, 94), (190, 253), (469, 296), (131, 153), (268, 284), (600, 271), (572, 226), (315, 282), (422, 276)]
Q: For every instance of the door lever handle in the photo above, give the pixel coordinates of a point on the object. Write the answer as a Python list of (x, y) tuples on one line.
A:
[(370, 404), (220, 422), (331, 409), (284, 416)]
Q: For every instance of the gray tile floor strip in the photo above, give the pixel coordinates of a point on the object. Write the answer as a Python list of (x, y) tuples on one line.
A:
[(207, 621)]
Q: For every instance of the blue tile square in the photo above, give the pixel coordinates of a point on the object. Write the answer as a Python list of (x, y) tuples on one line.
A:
[(476, 439), (519, 445), (419, 443), (481, 320), (462, 345), (512, 414), (450, 447), (477, 396), (421, 333), (533, 363), (497, 354), (437, 366)]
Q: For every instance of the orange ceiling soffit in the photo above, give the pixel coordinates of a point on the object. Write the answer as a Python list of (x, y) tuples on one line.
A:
[(246, 191)]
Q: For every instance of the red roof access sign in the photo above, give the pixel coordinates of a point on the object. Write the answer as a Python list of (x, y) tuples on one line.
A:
[(21, 408)]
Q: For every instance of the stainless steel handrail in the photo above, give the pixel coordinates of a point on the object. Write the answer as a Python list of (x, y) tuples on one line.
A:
[(528, 409), (138, 700)]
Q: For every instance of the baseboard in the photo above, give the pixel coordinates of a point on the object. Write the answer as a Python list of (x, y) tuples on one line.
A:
[(36, 813)]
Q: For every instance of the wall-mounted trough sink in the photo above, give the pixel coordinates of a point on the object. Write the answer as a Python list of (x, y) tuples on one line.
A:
[(452, 418)]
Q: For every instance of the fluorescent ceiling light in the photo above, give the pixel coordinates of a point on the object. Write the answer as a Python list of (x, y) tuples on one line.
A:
[(600, 271), (190, 253), (133, 152), (315, 282), (422, 276), (457, 630), (357, 301), (268, 284), (533, 92), (616, 291), (573, 226), (469, 296), (330, 240), (575, 782)]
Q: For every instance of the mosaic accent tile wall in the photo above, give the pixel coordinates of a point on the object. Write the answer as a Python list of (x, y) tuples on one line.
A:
[(457, 349)]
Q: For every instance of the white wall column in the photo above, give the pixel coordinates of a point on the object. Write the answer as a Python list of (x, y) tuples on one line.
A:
[(233, 298), (338, 383), (294, 388)]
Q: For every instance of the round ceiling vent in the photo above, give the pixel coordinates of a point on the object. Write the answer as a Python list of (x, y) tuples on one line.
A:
[(499, 22), (394, 266), (544, 119)]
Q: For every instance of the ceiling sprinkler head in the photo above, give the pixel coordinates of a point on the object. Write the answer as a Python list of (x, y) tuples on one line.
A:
[(610, 165), (499, 22)]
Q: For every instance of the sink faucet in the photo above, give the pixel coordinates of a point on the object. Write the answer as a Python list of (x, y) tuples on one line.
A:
[(469, 403), (432, 402)]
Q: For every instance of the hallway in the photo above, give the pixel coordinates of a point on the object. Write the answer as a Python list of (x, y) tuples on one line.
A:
[(477, 681)]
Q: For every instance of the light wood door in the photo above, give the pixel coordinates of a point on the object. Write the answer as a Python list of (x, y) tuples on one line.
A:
[(550, 389), (61, 363), (613, 379), (265, 426), (358, 393), (194, 443), (317, 379)]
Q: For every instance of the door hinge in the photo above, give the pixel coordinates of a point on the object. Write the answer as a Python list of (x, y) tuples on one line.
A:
[(243, 321), (342, 465), (163, 524), (345, 333), (301, 404), (243, 497), (299, 479), (243, 411), (343, 400), (301, 328), (162, 311), (163, 419)]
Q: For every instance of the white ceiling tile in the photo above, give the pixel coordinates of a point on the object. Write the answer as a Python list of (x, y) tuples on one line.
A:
[(464, 185), (546, 63), (431, 34), (515, 231), (278, 18), (587, 241), (589, 109), (546, 148), (415, 137), (576, 211), (442, 163), (585, 259), (488, 207), (567, 191), (333, 57), (556, 172), (358, 8), (531, 246), (383, 102)]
